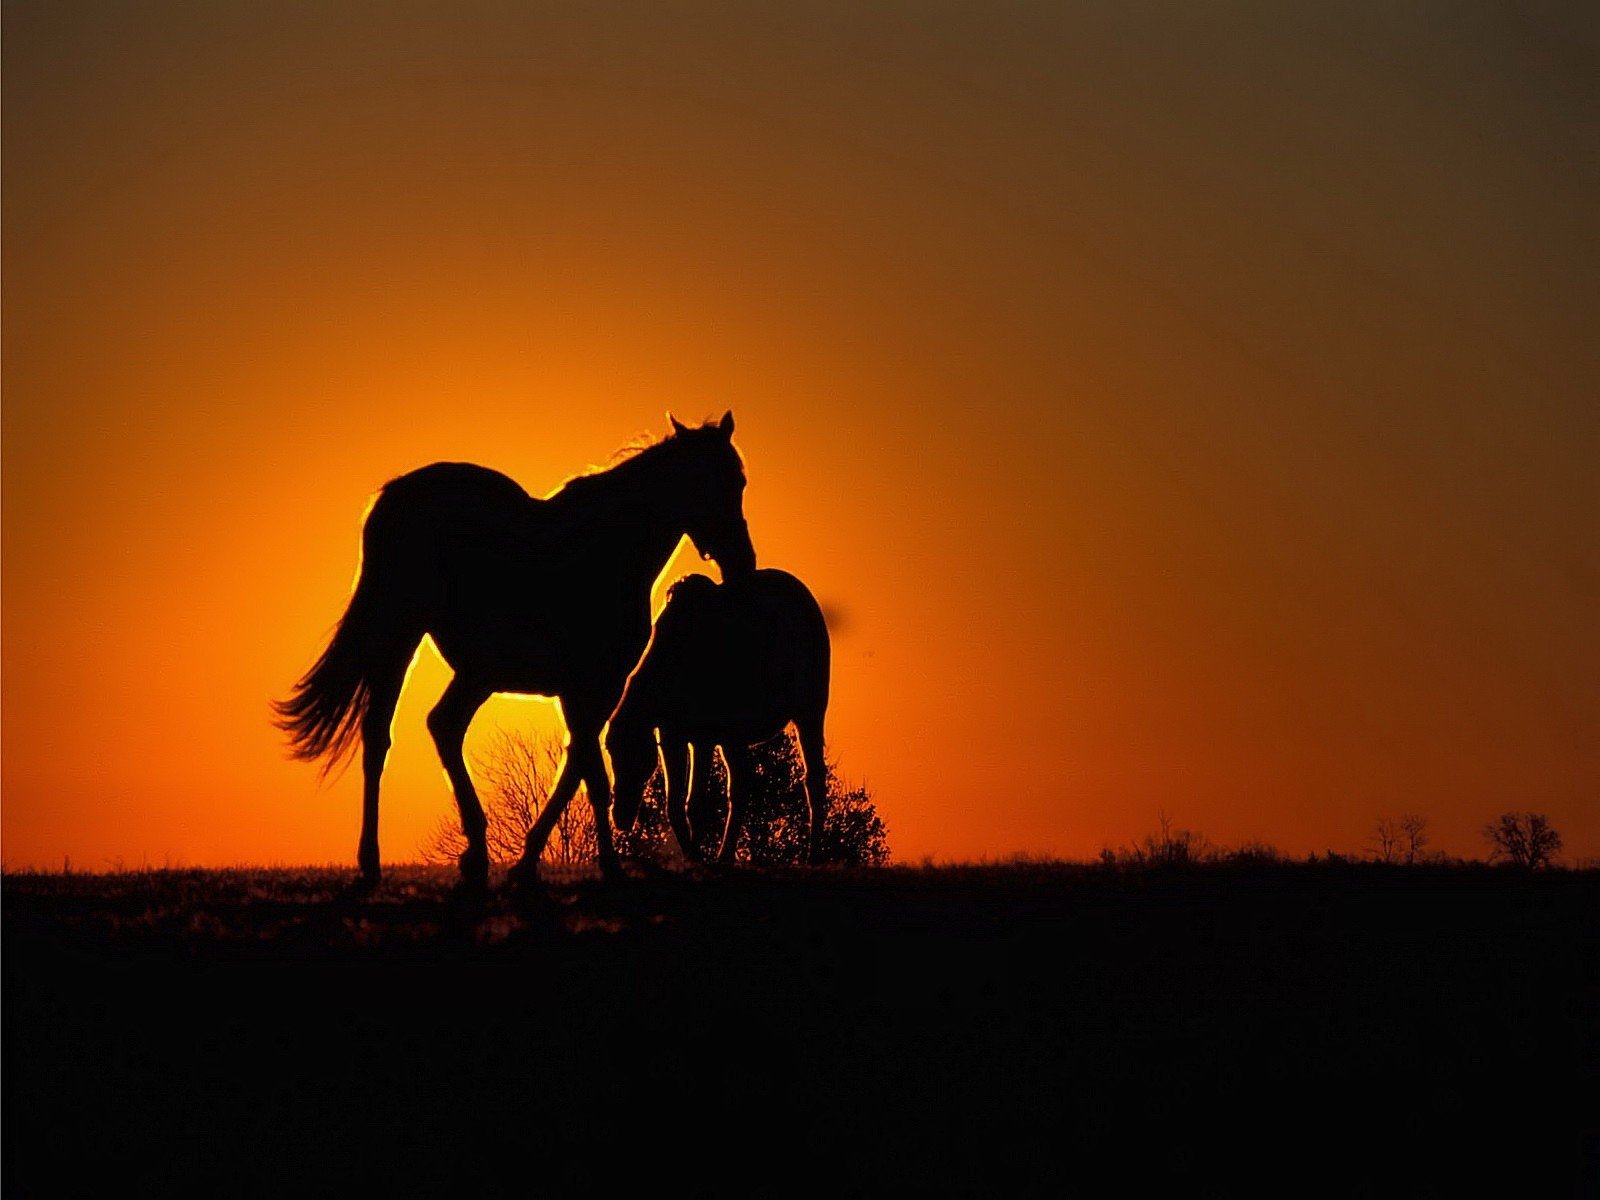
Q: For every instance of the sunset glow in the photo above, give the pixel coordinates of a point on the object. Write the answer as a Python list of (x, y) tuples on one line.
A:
[(1193, 413)]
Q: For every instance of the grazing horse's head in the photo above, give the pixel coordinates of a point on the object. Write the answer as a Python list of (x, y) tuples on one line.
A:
[(675, 643), (711, 490), (632, 747)]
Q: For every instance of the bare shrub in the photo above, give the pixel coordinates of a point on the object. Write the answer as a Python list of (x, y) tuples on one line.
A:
[(778, 821), (1167, 847), (1254, 852), (1386, 840), (1414, 837), (516, 773), (1400, 840)]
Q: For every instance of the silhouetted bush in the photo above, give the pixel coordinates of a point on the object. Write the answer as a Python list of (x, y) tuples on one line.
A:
[(1167, 848), (1254, 853), (779, 819), (1171, 849)]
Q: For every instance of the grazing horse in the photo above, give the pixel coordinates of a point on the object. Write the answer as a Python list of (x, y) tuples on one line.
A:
[(535, 597), (727, 666)]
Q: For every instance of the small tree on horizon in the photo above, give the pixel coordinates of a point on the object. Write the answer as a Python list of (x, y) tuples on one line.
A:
[(1386, 840), (1414, 832), (1524, 839), (1400, 841)]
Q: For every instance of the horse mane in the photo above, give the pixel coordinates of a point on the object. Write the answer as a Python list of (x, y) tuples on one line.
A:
[(623, 454), (628, 462)]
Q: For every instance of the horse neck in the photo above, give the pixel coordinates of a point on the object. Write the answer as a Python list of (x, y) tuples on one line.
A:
[(635, 509)]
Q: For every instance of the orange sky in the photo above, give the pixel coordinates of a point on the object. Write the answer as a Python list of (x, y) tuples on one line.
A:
[(1179, 409)]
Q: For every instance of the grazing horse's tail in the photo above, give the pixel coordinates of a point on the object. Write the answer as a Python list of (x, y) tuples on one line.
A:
[(322, 715)]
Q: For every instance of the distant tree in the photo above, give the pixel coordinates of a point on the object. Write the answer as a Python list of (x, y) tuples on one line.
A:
[(1400, 841), (1525, 839), (1414, 837), (1386, 840)]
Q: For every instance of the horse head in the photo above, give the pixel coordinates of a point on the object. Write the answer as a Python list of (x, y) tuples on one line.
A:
[(710, 487)]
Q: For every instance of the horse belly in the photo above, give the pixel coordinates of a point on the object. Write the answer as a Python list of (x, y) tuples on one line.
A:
[(542, 650), (740, 717), (509, 656)]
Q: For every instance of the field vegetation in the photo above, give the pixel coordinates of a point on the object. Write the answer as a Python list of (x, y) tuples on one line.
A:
[(1206, 1018)]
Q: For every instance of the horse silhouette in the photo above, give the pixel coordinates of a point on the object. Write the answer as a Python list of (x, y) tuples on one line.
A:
[(535, 597), (727, 666)]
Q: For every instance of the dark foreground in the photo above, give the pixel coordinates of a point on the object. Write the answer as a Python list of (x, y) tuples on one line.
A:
[(985, 1030)]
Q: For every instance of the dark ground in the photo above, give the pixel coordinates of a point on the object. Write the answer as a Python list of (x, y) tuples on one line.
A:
[(1023, 1029)]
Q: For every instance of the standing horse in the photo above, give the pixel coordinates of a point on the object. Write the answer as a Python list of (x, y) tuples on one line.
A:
[(534, 597), (727, 667)]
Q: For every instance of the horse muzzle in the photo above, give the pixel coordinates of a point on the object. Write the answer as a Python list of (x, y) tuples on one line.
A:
[(623, 816)]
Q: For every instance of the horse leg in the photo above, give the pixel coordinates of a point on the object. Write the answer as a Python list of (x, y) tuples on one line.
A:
[(384, 693), (598, 784), (700, 799), (448, 724), (675, 775), (816, 785), (567, 780), (740, 772), (586, 716)]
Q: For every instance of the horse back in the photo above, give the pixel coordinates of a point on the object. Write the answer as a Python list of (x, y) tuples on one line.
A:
[(756, 650), (798, 639), (446, 488), (450, 534)]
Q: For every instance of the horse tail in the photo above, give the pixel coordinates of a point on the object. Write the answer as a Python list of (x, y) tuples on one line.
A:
[(324, 711)]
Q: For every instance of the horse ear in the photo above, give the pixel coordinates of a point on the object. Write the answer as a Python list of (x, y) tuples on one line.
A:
[(677, 425), (726, 424)]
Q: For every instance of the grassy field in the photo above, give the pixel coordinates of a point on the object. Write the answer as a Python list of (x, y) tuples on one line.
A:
[(1027, 1028)]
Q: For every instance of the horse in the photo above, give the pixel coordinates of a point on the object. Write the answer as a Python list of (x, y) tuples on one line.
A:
[(727, 666), (543, 597)]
